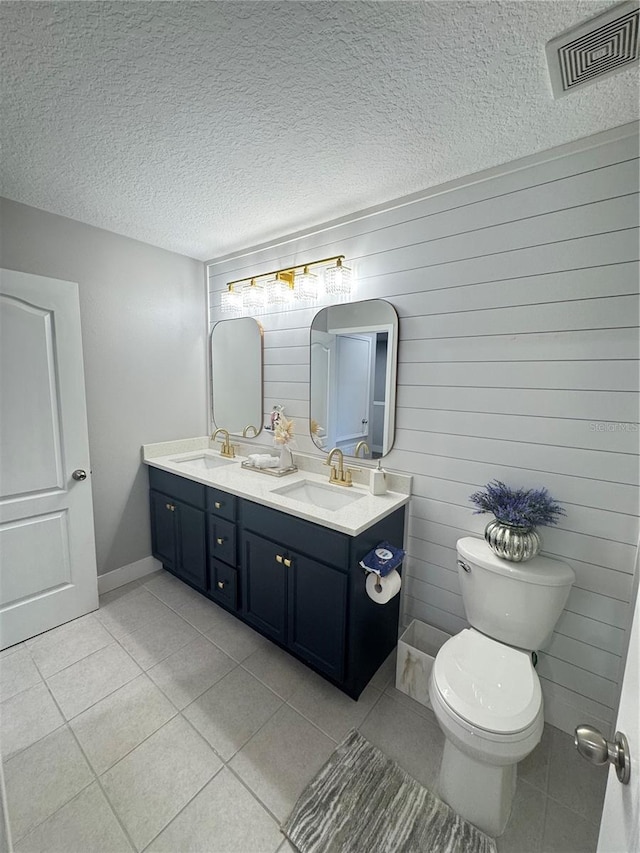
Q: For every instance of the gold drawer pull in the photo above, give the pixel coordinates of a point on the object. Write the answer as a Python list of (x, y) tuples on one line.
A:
[(279, 558), (219, 541), (220, 584), (218, 505), (287, 563)]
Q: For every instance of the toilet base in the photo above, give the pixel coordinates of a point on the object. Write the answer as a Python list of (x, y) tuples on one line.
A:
[(481, 793)]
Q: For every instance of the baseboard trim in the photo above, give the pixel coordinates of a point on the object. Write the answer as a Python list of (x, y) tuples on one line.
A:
[(126, 574)]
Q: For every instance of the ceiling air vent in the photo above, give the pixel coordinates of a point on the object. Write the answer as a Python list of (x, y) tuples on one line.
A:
[(601, 46)]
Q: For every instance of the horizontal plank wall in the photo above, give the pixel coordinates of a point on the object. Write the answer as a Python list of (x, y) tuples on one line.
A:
[(518, 359)]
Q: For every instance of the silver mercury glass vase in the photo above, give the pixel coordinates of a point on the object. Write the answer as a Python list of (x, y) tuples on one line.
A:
[(511, 542)]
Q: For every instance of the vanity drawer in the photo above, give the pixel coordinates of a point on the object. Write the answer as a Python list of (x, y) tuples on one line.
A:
[(178, 487), (224, 584), (222, 540), (318, 542), (221, 504)]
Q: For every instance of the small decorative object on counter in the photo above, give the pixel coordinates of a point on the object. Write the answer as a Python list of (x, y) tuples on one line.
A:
[(282, 437), (378, 480), (512, 535)]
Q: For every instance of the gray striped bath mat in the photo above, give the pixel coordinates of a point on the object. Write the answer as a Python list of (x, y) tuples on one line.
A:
[(362, 802)]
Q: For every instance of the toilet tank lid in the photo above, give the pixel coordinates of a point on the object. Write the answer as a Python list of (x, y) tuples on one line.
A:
[(542, 571)]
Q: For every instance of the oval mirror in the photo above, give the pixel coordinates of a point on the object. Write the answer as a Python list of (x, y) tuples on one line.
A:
[(236, 376), (354, 351)]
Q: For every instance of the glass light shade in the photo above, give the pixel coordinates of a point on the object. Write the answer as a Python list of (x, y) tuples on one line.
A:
[(253, 297), (279, 292), (231, 300), (337, 280), (306, 285)]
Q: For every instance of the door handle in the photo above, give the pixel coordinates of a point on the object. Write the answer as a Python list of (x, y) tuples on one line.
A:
[(594, 746), (279, 558), (79, 474)]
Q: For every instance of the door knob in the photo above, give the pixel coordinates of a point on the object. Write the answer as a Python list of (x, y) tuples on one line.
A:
[(593, 746), (79, 474)]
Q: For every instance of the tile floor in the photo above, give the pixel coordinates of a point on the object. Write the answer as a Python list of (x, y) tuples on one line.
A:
[(161, 723)]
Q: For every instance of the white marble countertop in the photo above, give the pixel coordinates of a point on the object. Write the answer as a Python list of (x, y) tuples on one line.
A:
[(258, 487)]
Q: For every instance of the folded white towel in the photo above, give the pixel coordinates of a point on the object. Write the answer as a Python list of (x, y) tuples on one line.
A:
[(263, 460)]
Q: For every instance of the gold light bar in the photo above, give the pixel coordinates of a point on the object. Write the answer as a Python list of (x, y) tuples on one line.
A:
[(287, 273)]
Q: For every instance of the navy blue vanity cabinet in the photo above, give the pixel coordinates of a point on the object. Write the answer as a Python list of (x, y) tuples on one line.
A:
[(178, 526), (264, 585), (221, 521)]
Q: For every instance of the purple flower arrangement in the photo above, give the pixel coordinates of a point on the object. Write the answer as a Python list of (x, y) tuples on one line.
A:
[(521, 507)]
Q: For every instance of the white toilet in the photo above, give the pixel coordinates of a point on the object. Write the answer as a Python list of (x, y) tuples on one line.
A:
[(484, 689)]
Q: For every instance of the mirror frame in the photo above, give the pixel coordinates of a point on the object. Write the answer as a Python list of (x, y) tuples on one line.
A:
[(392, 367), (233, 360)]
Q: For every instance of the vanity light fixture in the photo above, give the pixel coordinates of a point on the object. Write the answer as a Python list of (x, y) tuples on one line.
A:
[(253, 297), (337, 280), (231, 300), (284, 287)]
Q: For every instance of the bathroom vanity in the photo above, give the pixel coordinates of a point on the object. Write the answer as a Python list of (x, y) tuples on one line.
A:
[(285, 566)]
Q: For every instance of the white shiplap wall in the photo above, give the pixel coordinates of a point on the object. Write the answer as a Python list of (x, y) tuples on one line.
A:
[(517, 293)]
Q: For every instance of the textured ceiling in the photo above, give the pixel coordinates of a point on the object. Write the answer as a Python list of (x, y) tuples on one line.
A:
[(205, 127)]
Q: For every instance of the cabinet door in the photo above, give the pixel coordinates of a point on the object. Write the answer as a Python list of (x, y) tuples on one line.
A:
[(317, 610), (192, 558), (223, 583), (163, 529), (264, 584)]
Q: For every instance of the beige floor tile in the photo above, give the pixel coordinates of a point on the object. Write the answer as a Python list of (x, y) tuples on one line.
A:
[(11, 650), (86, 824), (329, 708), (526, 823), (42, 778), (202, 613), (223, 818), (574, 782), (117, 724), (17, 673), (411, 740), (232, 711), (67, 644), (409, 703), (157, 640), (153, 783), (84, 683), (281, 759), (173, 592), (132, 612), (567, 832), (187, 673), (234, 637), (119, 592), (284, 674), (27, 717)]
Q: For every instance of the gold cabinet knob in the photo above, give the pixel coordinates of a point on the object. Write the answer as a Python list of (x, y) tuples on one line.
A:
[(170, 507), (219, 540), (217, 505), (288, 563), (220, 584), (279, 558)]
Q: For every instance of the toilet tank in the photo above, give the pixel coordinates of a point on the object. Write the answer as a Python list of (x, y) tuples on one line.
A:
[(516, 603)]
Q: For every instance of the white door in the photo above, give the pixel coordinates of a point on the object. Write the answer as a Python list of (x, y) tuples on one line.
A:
[(47, 547), (354, 356), (620, 827)]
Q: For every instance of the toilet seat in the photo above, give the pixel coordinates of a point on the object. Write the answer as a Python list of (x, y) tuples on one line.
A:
[(491, 686)]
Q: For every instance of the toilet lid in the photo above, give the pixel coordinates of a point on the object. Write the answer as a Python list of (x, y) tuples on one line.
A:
[(488, 684)]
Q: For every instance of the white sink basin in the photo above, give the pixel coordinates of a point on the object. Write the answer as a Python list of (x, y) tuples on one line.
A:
[(319, 495), (203, 461)]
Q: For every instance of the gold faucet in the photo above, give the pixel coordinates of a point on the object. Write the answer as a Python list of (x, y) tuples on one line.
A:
[(339, 476), (361, 446), (245, 431), (227, 448)]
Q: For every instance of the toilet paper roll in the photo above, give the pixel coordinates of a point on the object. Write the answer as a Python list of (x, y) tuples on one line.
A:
[(383, 589)]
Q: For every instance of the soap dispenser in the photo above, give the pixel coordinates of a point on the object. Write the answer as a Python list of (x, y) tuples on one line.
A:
[(378, 480)]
